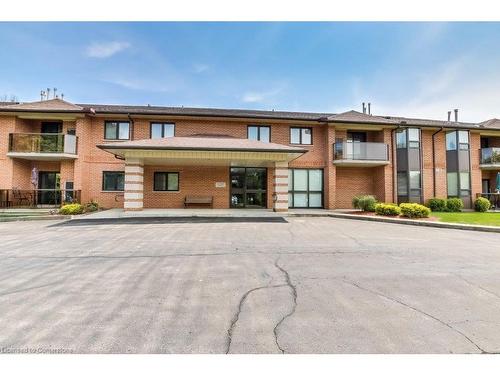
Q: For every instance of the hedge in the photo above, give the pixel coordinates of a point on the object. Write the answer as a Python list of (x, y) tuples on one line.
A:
[(414, 210), (364, 202), (71, 209), (482, 204), (454, 204), (437, 204), (387, 209)]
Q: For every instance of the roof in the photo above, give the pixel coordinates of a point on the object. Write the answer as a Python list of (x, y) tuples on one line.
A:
[(52, 105), (209, 143), (59, 105), (209, 112)]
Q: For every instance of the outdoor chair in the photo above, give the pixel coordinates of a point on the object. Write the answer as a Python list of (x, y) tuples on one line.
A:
[(21, 197)]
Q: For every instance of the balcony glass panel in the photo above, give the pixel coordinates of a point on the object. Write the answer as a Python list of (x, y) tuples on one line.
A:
[(361, 151), (42, 143), (490, 155)]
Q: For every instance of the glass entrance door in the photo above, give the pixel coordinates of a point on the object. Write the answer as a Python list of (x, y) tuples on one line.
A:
[(248, 187), (49, 188)]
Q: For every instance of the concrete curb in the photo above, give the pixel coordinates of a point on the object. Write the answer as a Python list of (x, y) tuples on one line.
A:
[(421, 223), (33, 218)]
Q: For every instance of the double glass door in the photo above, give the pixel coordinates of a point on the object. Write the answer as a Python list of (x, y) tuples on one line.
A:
[(248, 187), (49, 188)]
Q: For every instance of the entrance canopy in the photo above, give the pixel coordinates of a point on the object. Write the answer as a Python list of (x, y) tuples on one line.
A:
[(207, 150)]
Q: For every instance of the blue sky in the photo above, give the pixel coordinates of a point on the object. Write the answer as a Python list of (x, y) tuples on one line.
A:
[(413, 69)]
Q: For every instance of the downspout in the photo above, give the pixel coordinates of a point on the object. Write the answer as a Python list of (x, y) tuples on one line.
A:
[(394, 171), (434, 163)]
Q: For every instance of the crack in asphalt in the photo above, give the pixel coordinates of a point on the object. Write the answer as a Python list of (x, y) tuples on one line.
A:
[(28, 289), (236, 316), (294, 306), (477, 285), (419, 311)]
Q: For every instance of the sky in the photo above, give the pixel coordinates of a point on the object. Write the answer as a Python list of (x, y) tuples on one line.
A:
[(408, 69)]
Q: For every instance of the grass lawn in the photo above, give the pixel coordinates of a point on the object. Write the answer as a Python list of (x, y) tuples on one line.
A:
[(478, 218)]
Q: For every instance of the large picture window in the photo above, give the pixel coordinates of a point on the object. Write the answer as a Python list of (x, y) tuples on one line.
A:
[(301, 136), (162, 130), (259, 133), (113, 181), (305, 188), (117, 130), (166, 181)]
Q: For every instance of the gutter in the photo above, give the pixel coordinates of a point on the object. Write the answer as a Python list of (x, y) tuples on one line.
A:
[(434, 162)]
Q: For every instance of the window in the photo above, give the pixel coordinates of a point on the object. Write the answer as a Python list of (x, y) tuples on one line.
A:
[(301, 136), (463, 140), (259, 133), (452, 181), (401, 139), (413, 138), (464, 183), (402, 183), (116, 130), (162, 130), (305, 188), (113, 181), (166, 181), (451, 141)]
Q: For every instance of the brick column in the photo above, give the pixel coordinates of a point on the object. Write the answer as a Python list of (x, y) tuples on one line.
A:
[(134, 185), (280, 184)]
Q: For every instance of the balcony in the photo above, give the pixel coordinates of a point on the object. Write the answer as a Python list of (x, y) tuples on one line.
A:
[(360, 154), (42, 146), (490, 158)]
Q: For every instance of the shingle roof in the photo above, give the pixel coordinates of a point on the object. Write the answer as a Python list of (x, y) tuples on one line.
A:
[(59, 105), (52, 105), (209, 112), (202, 143)]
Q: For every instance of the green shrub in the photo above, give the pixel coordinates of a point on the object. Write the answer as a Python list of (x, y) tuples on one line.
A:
[(414, 210), (91, 206), (387, 209), (454, 204), (355, 201), (71, 209), (366, 203), (482, 204), (437, 204)]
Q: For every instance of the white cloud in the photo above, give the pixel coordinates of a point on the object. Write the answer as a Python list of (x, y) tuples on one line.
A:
[(106, 49), (260, 96), (200, 68)]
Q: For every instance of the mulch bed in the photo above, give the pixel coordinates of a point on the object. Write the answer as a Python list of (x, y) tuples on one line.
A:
[(364, 213)]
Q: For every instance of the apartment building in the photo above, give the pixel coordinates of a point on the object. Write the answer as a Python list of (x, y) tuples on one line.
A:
[(139, 157)]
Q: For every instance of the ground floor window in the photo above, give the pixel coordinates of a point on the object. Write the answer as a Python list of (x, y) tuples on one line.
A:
[(166, 181), (113, 181), (305, 188)]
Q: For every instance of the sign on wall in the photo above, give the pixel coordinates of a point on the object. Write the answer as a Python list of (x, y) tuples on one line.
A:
[(220, 184)]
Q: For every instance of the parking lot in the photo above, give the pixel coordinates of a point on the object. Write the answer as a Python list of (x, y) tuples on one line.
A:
[(304, 285)]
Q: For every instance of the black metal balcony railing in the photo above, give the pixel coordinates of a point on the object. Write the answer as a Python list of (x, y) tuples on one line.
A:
[(490, 155), (362, 151), (38, 197), (42, 143)]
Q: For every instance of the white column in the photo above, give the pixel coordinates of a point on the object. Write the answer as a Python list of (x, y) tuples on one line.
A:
[(281, 186), (134, 185)]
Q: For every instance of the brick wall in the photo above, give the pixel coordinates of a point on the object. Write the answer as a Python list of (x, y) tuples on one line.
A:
[(354, 181)]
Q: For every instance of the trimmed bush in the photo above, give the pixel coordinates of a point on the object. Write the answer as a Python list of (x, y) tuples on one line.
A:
[(366, 203), (454, 204), (91, 206), (355, 201), (387, 209), (482, 204), (437, 204), (414, 210), (71, 209)]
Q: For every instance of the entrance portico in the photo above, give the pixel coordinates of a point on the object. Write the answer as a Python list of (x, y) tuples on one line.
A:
[(202, 166)]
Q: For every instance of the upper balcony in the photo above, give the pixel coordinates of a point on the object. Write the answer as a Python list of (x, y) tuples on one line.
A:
[(42, 146), (360, 154), (490, 158)]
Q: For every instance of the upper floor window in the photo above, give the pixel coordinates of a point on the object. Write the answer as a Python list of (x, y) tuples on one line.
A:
[(460, 138), (259, 133), (301, 136), (162, 129), (113, 181), (409, 137), (117, 130)]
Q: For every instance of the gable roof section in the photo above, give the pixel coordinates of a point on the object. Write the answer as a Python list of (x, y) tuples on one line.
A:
[(358, 117), (493, 123), (51, 105)]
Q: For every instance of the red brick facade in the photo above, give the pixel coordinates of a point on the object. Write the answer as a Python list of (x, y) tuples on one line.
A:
[(341, 183)]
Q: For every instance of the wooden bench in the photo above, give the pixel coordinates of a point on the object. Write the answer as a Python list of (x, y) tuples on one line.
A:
[(192, 200)]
